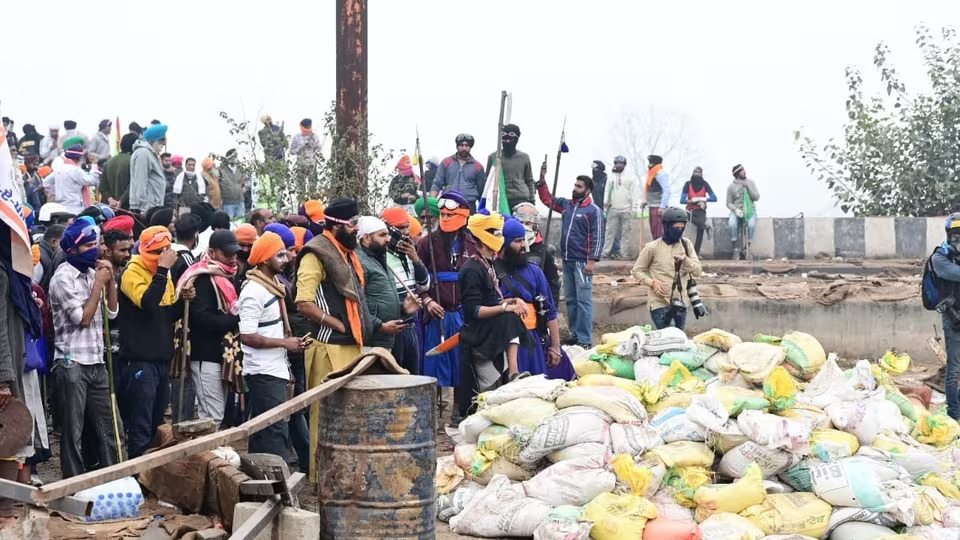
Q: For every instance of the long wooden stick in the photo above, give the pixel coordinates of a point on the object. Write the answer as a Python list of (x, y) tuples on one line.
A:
[(113, 391)]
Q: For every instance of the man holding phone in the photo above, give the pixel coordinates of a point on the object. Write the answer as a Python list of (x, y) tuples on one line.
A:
[(150, 309), (379, 287), (410, 278)]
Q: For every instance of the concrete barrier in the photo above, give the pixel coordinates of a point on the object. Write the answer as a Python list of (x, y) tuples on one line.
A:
[(811, 238)]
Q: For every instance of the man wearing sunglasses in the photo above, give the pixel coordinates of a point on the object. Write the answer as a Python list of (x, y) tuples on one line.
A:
[(330, 281), (452, 246), (462, 173), (77, 290), (150, 310)]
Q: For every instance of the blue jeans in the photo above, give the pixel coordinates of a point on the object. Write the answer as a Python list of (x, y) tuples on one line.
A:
[(951, 386), (662, 319), (734, 222), (578, 291), (234, 210), (149, 383)]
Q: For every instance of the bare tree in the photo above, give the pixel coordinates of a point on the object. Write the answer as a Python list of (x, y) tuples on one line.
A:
[(662, 131)]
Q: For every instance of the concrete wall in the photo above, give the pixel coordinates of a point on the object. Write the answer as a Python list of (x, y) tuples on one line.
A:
[(810, 238), (853, 329)]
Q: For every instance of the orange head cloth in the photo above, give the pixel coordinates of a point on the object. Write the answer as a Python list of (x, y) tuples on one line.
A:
[(35, 250), (206, 164), (453, 220), (415, 228), (396, 216), (300, 237), (246, 234), (265, 247), (44, 171), (314, 211), (152, 239)]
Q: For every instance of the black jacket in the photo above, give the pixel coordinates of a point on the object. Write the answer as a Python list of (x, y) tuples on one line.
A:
[(208, 325), (148, 332)]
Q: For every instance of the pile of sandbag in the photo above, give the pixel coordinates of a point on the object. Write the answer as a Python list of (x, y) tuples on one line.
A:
[(714, 437)]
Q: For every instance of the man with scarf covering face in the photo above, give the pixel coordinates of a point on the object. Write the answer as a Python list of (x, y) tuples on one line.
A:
[(330, 294), (494, 326), (522, 279), (76, 296), (657, 267), (406, 272), (517, 171), (213, 319), (452, 246), (150, 311)]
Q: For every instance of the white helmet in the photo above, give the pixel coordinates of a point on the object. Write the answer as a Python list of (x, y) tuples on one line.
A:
[(48, 210)]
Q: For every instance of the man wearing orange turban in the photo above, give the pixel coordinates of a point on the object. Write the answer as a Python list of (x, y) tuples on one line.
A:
[(150, 310), (416, 230), (246, 237), (265, 339), (212, 178)]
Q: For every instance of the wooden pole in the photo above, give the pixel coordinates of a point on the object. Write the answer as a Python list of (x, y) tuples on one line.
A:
[(352, 95)]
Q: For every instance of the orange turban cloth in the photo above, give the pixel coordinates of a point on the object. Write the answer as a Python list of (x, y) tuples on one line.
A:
[(206, 164), (35, 250), (415, 228), (395, 216), (246, 234), (152, 239), (300, 237), (314, 211), (265, 247), (44, 171)]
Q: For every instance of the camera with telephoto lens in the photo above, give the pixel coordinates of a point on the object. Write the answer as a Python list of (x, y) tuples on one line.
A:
[(947, 306), (699, 310)]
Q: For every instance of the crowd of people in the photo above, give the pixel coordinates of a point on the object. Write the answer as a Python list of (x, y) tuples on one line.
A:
[(148, 295)]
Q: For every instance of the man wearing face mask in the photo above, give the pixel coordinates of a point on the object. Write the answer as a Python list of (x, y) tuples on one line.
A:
[(189, 187), (581, 243), (517, 171), (659, 265), (622, 202), (76, 296), (946, 266), (407, 273), (150, 311), (598, 170), (461, 173), (452, 245), (148, 182), (696, 194), (536, 252)]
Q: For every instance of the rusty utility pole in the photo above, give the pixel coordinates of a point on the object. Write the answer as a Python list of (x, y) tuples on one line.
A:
[(352, 98)]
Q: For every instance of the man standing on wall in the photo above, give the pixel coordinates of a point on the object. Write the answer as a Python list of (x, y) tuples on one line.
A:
[(656, 194), (517, 171), (622, 201)]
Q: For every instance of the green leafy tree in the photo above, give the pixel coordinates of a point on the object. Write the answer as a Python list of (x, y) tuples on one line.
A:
[(283, 184), (900, 152)]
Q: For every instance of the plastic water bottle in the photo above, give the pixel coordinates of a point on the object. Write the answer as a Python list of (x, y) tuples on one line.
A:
[(114, 500)]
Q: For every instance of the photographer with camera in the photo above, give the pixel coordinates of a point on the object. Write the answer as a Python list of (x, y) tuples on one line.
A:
[(667, 266), (941, 276)]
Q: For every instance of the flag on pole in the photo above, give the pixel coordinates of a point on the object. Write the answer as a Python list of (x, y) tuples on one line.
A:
[(495, 176), (11, 210)]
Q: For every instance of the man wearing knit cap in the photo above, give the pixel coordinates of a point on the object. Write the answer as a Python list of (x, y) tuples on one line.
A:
[(305, 146), (380, 287), (76, 295), (148, 183), (49, 147), (72, 184), (520, 278), (408, 273), (266, 339), (517, 171), (453, 245), (150, 310), (99, 144), (493, 326), (115, 186), (462, 173), (330, 282)]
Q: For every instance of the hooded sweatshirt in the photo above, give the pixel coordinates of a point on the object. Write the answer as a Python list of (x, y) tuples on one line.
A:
[(735, 193), (623, 192), (148, 183)]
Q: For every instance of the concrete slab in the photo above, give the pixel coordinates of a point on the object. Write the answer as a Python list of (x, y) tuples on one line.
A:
[(911, 236), (818, 237), (936, 234), (762, 246), (723, 247), (848, 237), (788, 238), (291, 523), (879, 237)]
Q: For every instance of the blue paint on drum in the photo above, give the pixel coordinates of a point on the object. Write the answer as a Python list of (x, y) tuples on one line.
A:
[(377, 458)]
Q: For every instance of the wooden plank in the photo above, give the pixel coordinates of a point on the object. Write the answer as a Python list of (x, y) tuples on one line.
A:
[(282, 412), (24, 493), (260, 519)]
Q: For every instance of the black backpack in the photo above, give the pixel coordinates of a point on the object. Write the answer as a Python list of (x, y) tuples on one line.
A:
[(933, 289)]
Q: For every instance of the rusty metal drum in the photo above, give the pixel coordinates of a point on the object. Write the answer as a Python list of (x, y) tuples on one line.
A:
[(376, 459)]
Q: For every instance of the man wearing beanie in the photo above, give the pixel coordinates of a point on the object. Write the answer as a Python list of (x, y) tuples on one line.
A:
[(330, 282), (266, 339), (493, 328), (380, 287), (517, 171), (305, 146), (148, 183), (72, 184), (99, 144), (453, 245), (522, 279), (408, 273), (150, 310), (77, 290), (462, 173), (115, 187)]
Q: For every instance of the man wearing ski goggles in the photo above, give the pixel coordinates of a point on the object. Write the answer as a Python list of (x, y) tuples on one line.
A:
[(454, 211)]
